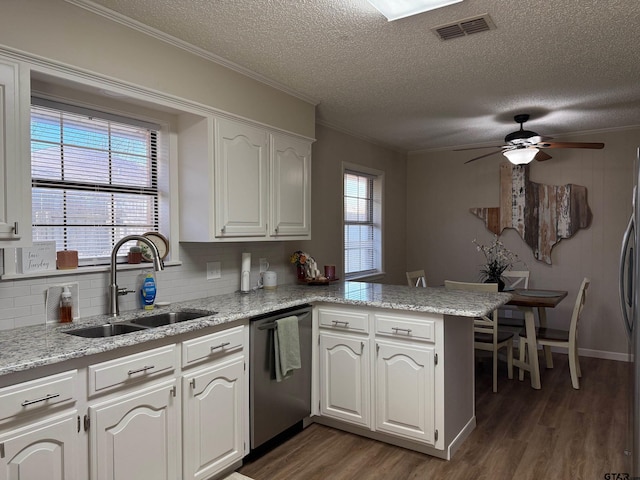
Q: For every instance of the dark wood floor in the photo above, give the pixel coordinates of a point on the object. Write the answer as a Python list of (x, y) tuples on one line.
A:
[(553, 433)]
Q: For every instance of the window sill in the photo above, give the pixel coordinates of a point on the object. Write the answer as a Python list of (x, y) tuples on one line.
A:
[(367, 278), (84, 270)]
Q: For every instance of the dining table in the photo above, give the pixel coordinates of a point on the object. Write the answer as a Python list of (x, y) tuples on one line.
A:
[(528, 301)]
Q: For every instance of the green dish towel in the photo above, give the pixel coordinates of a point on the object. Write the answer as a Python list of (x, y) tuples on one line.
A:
[(286, 346)]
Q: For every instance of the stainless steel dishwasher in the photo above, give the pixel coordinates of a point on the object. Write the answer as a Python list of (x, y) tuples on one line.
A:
[(276, 406)]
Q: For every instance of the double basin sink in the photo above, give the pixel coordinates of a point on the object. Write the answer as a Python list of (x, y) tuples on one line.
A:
[(141, 323)]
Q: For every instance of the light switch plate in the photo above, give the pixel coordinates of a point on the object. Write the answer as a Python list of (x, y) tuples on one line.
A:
[(213, 270)]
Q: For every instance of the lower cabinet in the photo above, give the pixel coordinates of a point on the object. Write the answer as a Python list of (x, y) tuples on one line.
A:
[(136, 436), (41, 450), (383, 373), (213, 436), (405, 390), (345, 377)]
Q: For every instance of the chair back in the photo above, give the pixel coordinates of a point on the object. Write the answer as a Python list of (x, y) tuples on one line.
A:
[(416, 279), (581, 298), (484, 324), (516, 279)]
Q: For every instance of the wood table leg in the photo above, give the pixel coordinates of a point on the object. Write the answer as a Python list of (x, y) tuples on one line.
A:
[(542, 317), (532, 346)]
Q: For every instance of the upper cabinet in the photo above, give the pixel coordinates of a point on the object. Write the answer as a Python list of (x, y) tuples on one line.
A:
[(241, 169), (241, 182), (15, 167), (290, 187)]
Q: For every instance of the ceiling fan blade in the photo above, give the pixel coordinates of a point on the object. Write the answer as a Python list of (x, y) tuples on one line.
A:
[(482, 156), (542, 156), (476, 148), (570, 145)]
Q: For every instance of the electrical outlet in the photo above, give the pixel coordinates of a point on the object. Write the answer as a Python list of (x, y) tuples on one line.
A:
[(264, 265), (213, 270)]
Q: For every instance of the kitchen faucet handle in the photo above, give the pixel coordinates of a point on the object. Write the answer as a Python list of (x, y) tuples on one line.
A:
[(124, 291)]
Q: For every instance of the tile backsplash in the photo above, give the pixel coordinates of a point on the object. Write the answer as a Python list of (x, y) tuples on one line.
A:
[(22, 302)]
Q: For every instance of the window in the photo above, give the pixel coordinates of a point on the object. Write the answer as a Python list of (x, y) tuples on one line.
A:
[(94, 178), (362, 222)]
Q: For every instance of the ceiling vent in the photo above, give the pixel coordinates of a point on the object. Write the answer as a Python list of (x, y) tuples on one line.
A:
[(464, 27)]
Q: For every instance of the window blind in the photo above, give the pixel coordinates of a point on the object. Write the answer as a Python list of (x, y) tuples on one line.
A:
[(94, 178), (359, 246)]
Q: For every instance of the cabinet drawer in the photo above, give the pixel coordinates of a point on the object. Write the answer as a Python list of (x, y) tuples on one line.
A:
[(131, 369), (38, 395), (343, 320), (405, 327), (212, 346)]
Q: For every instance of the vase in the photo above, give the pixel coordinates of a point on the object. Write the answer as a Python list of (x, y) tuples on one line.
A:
[(300, 270), (498, 280)]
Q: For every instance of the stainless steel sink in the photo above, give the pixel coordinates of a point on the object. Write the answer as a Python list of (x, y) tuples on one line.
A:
[(167, 318), (107, 330)]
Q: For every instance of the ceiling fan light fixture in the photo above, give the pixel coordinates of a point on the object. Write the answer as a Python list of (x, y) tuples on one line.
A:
[(521, 156), (395, 10)]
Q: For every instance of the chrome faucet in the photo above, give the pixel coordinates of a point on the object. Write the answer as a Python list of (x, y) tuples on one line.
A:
[(114, 291)]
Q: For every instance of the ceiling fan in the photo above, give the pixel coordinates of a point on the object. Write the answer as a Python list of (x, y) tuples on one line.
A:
[(523, 146)]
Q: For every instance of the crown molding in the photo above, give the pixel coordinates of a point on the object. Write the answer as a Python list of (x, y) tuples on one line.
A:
[(176, 42)]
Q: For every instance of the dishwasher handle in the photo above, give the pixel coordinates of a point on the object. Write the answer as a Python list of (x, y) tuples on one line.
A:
[(272, 325)]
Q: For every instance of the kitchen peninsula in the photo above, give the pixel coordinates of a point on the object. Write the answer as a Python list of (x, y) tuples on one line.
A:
[(410, 347)]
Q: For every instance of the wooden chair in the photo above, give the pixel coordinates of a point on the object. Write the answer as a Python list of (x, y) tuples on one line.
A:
[(416, 279), (550, 337), (487, 336), (514, 319)]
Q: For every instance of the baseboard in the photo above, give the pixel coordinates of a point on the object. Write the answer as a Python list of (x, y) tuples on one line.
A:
[(620, 357)]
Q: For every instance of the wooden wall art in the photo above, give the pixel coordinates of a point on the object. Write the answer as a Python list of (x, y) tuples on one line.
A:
[(542, 214)]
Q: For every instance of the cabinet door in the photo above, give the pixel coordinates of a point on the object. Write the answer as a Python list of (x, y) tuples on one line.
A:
[(212, 419), (405, 390), (42, 450), (15, 167), (345, 378), (241, 179), (136, 436), (290, 186)]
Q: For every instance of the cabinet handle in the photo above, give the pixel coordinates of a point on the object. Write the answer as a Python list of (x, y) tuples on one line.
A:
[(398, 330), (222, 345), (223, 229), (15, 228), (193, 383), (361, 348), (337, 323), (143, 369), (38, 400)]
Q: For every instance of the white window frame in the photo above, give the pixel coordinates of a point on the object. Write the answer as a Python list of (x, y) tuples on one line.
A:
[(377, 177), (143, 106), (102, 116)]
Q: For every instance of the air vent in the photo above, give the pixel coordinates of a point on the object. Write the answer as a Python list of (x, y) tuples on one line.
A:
[(464, 27)]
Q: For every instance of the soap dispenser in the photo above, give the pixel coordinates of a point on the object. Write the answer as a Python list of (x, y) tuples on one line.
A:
[(66, 306)]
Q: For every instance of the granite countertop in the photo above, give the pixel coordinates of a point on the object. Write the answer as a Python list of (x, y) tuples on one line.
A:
[(30, 347)]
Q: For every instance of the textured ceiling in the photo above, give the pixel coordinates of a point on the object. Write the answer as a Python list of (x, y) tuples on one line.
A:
[(572, 64)]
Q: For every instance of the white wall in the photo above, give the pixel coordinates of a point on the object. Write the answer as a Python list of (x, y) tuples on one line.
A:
[(440, 229), (330, 150)]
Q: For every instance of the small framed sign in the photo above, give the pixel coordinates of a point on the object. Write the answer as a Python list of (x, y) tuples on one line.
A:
[(40, 257)]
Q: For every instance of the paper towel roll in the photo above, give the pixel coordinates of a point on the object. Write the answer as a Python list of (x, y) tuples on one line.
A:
[(245, 272)]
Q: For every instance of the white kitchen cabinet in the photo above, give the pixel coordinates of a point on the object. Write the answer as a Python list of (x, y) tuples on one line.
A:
[(213, 423), (242, 182), (405, 390), (345, 377), (136, 436), (41, 450), (15, 166), (241, 179), (290, 186), (415, 388)]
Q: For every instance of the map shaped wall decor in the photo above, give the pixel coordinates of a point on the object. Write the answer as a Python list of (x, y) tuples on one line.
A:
[(541, 214)]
